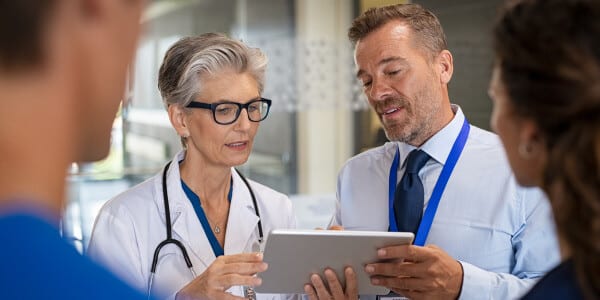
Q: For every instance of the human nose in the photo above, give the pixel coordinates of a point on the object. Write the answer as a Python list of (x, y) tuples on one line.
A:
[(379, 90), (243, 121)]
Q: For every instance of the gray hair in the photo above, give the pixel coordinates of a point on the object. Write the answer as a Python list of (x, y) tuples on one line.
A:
[(210, 53)]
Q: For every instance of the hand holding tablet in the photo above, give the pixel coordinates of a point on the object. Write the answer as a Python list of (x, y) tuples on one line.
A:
[(293, 255)]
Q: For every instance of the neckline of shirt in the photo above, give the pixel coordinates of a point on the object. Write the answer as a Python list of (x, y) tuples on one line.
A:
[(439, 145)]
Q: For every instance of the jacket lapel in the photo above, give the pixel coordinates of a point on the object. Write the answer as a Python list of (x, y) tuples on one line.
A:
[(241, 225), (186, 226)]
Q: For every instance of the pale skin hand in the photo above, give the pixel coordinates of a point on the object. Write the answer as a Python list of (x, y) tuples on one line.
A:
[(318, 290), (225, 272), (417, 272)]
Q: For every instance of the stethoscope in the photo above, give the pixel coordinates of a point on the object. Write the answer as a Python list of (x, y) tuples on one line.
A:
[(171, 240)]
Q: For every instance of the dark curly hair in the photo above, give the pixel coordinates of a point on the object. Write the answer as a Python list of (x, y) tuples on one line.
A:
[(548, 52)]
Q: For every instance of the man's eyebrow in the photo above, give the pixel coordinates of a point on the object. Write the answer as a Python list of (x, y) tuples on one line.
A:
[(386, 60)]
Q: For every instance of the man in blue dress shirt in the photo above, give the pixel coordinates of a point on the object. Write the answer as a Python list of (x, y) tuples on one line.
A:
[(480, 236), (62, 74)]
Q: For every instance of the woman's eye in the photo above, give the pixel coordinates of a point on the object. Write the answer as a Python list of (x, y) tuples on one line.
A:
[(252, 108), (224, 111)]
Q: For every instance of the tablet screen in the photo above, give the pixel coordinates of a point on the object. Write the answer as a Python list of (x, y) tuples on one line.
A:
[(293, 255)]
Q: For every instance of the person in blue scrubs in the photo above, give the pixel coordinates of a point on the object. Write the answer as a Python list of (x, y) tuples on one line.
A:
[(63, 65), (545, 89)]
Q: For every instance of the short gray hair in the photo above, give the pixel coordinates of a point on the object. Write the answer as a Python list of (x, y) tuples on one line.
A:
[(210, 53)]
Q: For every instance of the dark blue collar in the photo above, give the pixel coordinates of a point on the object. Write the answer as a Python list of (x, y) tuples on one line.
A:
[(195, 200)]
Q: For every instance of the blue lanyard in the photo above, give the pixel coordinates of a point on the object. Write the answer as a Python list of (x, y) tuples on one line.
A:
[(438, 190), (214, 243)]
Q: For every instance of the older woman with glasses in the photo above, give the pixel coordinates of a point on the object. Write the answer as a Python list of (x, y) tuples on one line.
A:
[(199, 215)]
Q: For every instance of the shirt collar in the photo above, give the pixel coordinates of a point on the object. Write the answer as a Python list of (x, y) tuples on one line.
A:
[(440, 144)]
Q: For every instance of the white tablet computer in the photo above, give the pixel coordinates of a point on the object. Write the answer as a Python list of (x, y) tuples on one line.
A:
[(293, 255)]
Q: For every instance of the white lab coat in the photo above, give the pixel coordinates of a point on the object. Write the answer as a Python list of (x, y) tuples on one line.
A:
[(131, 225)]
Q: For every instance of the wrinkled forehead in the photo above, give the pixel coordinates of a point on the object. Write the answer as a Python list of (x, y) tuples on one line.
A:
[(389, 34)]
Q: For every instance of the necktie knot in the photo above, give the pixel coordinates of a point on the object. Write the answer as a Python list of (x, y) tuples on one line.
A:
[(415, 161), (408, 199)]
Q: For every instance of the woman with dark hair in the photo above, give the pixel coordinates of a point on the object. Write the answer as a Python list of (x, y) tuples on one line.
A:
[(546, 94)]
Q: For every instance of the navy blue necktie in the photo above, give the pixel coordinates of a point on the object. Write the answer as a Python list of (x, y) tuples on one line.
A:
[(409, 197)]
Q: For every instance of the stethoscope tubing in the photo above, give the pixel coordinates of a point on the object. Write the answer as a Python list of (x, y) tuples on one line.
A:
[(169, 228)]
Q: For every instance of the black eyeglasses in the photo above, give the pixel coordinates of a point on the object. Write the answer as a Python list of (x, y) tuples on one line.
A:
[(227, 112)]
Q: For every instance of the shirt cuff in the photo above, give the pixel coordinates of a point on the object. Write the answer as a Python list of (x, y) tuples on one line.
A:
[(475, 282)]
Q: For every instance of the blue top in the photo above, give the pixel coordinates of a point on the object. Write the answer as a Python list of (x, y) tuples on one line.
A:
[(36, 263), (501, 233), (560, 283), (195, 200)]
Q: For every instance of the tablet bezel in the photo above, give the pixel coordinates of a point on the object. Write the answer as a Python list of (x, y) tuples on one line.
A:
[(293, 255)]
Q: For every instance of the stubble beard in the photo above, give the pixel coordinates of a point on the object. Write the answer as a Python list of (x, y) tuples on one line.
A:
[(416, 128)]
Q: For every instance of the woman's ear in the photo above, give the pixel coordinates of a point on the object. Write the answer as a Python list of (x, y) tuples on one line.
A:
[(531, 142), (178, 119), (532, 151)]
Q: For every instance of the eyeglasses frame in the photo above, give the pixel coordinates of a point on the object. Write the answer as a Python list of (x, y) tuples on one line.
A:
[(213, 108)]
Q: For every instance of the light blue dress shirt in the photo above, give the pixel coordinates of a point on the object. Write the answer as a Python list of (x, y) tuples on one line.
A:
[(501, 233)]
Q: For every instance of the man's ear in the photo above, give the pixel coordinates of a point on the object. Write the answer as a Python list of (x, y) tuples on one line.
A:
[(91, 9), (445, 66), (177, 116)]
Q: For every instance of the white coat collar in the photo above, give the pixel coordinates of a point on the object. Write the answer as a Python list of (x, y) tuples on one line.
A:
[(241, 224)]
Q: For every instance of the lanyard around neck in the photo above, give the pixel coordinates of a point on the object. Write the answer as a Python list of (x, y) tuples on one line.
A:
[(438, 190)]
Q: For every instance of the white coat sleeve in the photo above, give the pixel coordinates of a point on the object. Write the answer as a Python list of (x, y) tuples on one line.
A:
[(113, 244), (336, 218), (292, 222)]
